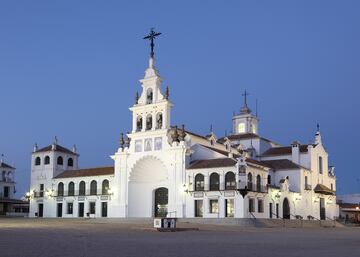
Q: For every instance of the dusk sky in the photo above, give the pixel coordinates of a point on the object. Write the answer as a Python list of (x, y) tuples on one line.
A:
[(71, 68)]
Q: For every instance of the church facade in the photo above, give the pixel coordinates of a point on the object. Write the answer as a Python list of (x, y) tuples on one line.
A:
[(162, 170)]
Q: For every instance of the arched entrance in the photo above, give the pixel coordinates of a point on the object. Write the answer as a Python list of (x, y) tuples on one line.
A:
[(147, 177), (286, 209), (161, 202)]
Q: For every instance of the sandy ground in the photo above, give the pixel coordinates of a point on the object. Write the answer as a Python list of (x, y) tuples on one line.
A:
[(61, 237)]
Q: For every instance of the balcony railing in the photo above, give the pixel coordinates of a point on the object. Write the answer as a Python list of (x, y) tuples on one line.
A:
[(308, 187), (250, 187), (256, 188), (38, 194), (2, 196), (72, 193), (80, 193)]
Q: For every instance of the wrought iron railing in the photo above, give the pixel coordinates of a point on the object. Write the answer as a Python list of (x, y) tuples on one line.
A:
[(308, 187), (81, 193)]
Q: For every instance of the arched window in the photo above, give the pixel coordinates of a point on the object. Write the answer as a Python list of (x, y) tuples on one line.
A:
[(93, 188), (47, 160), (199, 182), (82, 188), (10, 177), (149, 96), (3, 177), (269, 179), (249, 182), (60, 189), (214, 182), (139, 123), (149, 122), (37, 161), (258, 183), (159, 120), (70, 162), (230, 183), (105, 187), (71, 189), (60, 160)]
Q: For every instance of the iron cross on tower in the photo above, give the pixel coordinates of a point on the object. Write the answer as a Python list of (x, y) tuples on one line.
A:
[(152, 35), (245, 95)]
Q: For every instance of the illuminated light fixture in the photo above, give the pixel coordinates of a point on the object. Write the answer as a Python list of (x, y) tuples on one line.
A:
[(357, 208), (28, 196), (110, 191), (184, 188)]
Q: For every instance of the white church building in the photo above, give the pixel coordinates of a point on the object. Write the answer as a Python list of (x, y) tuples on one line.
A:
[(163, 170)]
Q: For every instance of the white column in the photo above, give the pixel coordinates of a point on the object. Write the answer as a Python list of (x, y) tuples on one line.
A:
[(206, 182), (222, 181)]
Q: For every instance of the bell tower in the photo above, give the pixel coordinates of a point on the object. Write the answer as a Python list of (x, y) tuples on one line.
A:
[(152, 108), (245, 122)]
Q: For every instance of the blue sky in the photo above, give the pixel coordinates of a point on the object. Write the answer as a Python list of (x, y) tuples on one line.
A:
[(71, 69)]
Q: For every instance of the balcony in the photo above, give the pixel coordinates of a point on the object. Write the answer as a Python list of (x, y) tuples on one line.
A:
[(82, 193), (256, 188), (308, 187)]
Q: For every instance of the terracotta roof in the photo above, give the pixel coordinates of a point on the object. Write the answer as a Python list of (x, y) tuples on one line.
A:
[(212, 163), (59, 148), (349, 205), (4, 165), (322, 189), (253, 161), (100, 171), (282, 164), (284, 150), (223, 152), (15, 201), (242, 136)]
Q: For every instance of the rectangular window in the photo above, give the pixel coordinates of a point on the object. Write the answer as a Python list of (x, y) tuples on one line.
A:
[(251, 205), (138, 146), (229, 205), (148, 144), (214, 206), (69, 208), (41, 194), (320, 165), (260, 205), (158, 143), (92, 207)]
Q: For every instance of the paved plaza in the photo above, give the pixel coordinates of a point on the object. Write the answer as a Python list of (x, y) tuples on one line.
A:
[(69, 237)]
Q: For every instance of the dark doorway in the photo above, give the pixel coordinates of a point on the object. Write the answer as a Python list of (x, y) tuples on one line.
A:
[(6, 192), (104, 207), (322, 209), (59, 210), (161, 202), (270, 210), (81, 209), (40, 210), (277, 210), (286, 209), (198, 208)]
